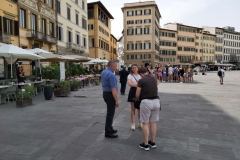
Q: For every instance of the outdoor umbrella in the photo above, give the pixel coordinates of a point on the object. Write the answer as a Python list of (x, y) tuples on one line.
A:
[(11, 51)]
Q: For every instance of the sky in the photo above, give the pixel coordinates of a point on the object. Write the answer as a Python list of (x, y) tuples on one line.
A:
[(198, 13)]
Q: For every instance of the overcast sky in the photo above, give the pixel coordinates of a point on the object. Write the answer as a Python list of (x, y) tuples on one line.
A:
[(214, 13)]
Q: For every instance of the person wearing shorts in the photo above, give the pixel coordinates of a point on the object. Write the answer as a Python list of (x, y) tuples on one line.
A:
[(175, 74), (164, 74), (149, 107), (170, 74)]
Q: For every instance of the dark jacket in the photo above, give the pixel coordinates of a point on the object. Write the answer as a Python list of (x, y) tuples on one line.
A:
[(123, 75)]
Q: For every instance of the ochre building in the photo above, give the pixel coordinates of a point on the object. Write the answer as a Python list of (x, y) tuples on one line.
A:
[(102, 44)]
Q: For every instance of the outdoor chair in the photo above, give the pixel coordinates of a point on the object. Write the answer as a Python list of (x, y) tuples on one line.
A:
[(10, 91), (37, 86)]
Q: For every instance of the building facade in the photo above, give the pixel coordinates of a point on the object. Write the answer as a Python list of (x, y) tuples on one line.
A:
[(218, 42), (113, 49), (101, 42), (231, 46), (9, 24), (141, 33), (37, 24), (209, 47), (189, 42), (72, 27), (168, 47)]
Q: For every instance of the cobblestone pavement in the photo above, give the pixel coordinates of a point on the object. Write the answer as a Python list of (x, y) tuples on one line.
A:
[(198, 121)]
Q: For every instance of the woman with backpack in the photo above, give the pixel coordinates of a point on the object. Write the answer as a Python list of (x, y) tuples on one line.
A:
[(133, 79)]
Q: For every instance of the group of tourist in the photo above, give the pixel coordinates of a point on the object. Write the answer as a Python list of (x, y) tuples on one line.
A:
[(178, 73), (143, 97)]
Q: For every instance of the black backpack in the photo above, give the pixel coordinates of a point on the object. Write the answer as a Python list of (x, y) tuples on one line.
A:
[(220, 73)]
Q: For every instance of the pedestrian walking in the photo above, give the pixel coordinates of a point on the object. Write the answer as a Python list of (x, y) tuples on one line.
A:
[(123, 79), (133, 79), (181, 71), (175, 73), (149, 107), (110, 89), (221, 75), (160, 78), (164, 74)]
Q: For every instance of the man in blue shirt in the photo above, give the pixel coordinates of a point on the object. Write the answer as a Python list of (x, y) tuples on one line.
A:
[(110, 89)]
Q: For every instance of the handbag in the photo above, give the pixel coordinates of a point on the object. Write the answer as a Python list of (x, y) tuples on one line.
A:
[(136, 103)]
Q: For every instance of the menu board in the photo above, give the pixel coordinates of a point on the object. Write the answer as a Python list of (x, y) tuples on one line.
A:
[(62, 71)]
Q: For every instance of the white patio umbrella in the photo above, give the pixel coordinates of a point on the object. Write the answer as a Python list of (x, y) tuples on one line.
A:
[(97, 60), (11, 51), (43, 53)]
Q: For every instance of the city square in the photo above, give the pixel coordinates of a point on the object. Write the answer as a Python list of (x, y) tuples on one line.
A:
[(198, 121)]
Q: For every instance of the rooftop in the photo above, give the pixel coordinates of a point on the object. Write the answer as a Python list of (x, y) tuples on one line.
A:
[(168, 30), (99, 3)]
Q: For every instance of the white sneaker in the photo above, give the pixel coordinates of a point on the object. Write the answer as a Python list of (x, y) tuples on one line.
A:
[(133, 126), (140, 125)]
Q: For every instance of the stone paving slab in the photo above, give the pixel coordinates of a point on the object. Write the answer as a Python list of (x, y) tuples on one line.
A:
[(198, 121)]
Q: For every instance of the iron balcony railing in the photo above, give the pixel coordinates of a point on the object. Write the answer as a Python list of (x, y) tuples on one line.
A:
[(5, 37), (75, 46), (33, 34)]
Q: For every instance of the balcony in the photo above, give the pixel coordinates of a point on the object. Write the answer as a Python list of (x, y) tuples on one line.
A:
[(36, 35), (5, 37), (75, 47)]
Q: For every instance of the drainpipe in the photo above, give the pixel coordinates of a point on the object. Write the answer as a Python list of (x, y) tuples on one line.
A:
[(56, 20), (18, 25)]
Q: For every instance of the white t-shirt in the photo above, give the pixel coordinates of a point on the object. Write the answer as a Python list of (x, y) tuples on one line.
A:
[(222, 72), (170, 70), (138, 77)]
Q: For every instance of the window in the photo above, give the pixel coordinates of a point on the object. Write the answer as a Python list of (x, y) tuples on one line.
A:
[(68, 13), (60, 33), (43, 25), (59, 7), (77, 20), (180, 48), (102, 17), (84, 23), (78, 39), (147, 11), (90, 13), (51, 29), (146, 30), (34, 22), (69, 38), (91, 42), (130, 46), (138, 46), (138, 21), (147, 56), (84, 42), (90, 27), (83, 4), (197, 37), (130, 22), (51, 3), (43, 1), (147, 45), (22, 18), (147, 20), (76, 1), (138, 31), (130, 31), (138, 12), (138, 56), (129, 13), (8, 26)]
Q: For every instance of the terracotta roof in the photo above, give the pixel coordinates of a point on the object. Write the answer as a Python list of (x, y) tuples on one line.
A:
[(168, 30)]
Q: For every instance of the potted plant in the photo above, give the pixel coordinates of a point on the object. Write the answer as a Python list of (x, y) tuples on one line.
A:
[(74, 85), (25, 96), (48, 91), (63, 89)]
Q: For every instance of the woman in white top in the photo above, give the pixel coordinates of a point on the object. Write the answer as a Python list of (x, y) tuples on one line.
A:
[(133, 79)]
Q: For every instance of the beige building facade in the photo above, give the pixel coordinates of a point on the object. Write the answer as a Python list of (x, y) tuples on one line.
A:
[(188, 43), (168, 47), (141, 33), (102, 44), (72, 27), (38, 24), (209, 47)]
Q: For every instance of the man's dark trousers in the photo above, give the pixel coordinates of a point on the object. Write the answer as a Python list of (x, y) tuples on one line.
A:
[(123, 85), (110, 101)]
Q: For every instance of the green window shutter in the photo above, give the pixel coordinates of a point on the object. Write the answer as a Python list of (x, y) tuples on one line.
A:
[(136, 46), (141, 56), (135, 56), (141, 30), (150, 11), (141, 45), (149, 45), (149, 56), (144, 46)]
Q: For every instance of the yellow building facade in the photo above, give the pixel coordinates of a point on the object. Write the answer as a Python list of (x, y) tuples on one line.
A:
[(209, 47), (101, 42), (9, 31), (38, 24)]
